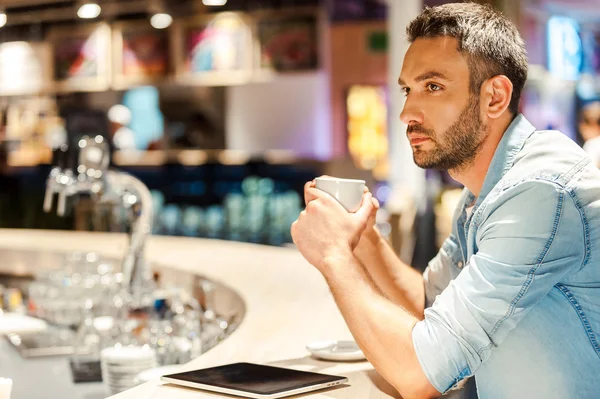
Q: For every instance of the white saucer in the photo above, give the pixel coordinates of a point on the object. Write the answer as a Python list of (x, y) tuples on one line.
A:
[(336, 350)]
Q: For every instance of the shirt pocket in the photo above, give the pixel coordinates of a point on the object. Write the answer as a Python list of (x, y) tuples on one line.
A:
[(451, 255)]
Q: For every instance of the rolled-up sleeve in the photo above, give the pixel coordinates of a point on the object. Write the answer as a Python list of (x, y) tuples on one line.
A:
[(531, 236)]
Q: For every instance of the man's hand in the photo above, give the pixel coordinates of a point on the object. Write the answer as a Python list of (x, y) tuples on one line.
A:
[(325, 230), (308, 197)]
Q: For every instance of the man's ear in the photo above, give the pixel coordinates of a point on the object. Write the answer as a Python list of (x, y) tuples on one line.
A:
[(496, 93)]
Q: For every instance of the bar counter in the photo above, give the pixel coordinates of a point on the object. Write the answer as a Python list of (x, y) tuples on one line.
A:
[(288, 305)]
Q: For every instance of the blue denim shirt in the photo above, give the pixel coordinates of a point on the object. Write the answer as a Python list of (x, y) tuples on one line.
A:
[(513, 296)]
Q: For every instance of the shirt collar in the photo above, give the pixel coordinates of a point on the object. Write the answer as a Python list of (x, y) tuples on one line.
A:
[(511, 143)]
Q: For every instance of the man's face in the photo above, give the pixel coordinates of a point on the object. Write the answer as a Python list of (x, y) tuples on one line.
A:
[(444, 124)]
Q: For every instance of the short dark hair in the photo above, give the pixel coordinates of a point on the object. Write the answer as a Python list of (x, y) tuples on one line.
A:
[(491, 42)]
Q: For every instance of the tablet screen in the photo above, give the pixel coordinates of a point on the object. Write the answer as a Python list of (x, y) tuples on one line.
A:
[(255, 378)]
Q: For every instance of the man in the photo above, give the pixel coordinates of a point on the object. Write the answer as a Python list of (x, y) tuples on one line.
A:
[(589, 127), (512, 297)]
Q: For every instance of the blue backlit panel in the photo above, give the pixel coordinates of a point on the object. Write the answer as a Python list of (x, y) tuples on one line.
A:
[(565, 49)]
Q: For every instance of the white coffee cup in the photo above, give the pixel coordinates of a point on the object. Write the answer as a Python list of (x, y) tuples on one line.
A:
[(348, 192)]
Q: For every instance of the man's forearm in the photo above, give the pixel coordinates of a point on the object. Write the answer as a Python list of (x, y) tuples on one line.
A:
[(382, 329), (399, 282)]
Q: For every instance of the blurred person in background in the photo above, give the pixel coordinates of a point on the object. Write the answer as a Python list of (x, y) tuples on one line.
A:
[(512, 296), (589, 127)]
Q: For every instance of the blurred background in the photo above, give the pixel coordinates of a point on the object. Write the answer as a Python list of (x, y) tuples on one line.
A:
[(225, 108)]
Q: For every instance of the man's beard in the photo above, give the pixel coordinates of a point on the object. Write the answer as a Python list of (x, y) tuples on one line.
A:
[(458, 146)]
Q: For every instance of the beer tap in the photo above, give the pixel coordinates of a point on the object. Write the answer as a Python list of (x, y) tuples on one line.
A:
[(90, 175)]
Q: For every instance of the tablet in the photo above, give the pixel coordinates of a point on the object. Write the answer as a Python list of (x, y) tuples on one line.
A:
[(254, 380)]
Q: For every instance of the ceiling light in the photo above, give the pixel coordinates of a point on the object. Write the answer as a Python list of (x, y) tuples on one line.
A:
[(214, 2), (161, 20), (89, 11), (2, 18)]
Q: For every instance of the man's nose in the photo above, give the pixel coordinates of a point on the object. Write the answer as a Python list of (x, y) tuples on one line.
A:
[(411, 114)]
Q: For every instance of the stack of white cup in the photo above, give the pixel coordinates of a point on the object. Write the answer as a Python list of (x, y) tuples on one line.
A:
[(121, 364), (5, 388)]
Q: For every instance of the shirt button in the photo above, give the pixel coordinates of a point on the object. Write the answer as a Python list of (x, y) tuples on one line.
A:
[(460, 264)]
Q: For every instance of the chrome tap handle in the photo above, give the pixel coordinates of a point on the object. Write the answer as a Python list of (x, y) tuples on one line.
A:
[(48, 197), (66, 187), (61, 208), (51, 187), (53, 183)]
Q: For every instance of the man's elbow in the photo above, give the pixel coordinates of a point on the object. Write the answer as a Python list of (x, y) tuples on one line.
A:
[(421, 389)]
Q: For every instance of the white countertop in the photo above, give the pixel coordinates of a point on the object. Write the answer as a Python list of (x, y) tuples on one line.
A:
[(288, 305)]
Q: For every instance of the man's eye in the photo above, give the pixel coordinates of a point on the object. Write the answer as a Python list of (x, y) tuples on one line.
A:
[(405, 91), (433, 87)]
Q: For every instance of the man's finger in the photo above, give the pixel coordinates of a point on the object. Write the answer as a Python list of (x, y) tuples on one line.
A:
[(308, 185), (309, 197), (309, 193), (325, 197), (366, 207), (315, 193), (375, 203)]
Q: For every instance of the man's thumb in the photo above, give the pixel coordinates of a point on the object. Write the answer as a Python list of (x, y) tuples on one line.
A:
[(366, 207)]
